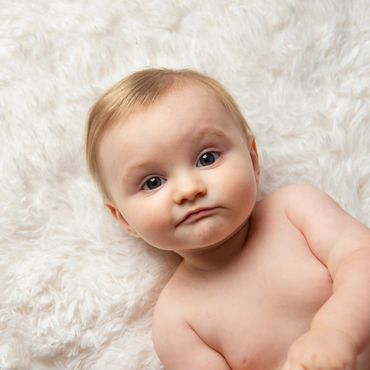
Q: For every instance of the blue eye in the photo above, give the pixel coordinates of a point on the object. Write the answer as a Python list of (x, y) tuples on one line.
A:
[(207, 158), (153, 183)]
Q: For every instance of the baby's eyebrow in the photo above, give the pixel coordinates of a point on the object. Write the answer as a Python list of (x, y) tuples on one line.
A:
[(209, 132), (135, 168)]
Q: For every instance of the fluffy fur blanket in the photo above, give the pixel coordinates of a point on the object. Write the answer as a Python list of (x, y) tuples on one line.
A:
[(75, 292)]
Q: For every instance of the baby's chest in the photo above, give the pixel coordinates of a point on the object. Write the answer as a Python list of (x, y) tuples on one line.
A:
[(255, 309)]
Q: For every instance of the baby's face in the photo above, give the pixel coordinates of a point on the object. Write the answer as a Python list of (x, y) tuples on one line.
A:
[(180, 173)]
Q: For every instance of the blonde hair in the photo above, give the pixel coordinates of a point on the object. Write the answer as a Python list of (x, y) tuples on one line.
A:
[(140, 90)]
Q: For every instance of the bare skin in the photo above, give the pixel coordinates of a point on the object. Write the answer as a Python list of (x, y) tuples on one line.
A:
[(251, 309)]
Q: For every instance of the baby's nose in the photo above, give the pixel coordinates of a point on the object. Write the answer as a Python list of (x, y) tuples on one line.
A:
[(189, 189)]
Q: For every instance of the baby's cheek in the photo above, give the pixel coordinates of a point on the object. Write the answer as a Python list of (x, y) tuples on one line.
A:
[(245, 198), (151, 222)]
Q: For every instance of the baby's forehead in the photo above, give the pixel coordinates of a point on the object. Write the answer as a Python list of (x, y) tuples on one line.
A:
[(186, 101)]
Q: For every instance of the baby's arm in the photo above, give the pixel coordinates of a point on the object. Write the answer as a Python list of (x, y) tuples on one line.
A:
[(179, 347), (340, 330)]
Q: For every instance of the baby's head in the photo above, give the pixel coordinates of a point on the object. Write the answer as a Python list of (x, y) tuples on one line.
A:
[(163, 145)]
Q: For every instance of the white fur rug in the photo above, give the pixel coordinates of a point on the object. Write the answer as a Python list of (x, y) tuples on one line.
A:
[(75, 292)]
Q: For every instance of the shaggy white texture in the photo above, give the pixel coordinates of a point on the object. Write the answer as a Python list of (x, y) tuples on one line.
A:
[(75, 292)]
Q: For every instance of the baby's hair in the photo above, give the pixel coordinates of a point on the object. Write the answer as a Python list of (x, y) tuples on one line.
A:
[(140, 90)]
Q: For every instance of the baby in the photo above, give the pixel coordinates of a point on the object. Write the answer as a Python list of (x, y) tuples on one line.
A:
[(278, 284)]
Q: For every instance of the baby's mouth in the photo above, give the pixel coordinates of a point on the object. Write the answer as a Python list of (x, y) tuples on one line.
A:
[(197, 214)]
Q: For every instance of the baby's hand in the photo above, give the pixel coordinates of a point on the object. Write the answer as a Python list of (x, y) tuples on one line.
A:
[(322, 349)]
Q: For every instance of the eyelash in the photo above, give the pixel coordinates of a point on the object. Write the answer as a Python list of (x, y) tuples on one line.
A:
[(213, 152), (145, 185), (150, 178)]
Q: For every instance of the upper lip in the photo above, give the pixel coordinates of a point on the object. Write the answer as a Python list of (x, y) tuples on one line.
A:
[(194, 211)]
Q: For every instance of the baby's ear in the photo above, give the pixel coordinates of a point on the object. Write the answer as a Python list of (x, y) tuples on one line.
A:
[(254, 156), (117, 215)]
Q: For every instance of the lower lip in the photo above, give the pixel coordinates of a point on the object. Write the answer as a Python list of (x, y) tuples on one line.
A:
[(198, 215)]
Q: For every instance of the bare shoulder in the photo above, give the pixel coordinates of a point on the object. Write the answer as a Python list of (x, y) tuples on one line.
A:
[(292, 192), (176, 342), (172, 302), (331, 232), (308, 208), (169, 306), (168, 325), (289, 197), (297, 199), (306, 205), (304, 200)]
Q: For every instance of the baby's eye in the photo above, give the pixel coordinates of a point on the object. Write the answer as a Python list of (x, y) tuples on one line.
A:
[(207, 159), (153, 183)]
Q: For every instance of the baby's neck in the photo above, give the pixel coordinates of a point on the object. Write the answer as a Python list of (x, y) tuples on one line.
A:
[(216, 257)]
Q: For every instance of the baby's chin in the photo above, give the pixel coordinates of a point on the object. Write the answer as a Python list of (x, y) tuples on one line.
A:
[(215, 240)]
